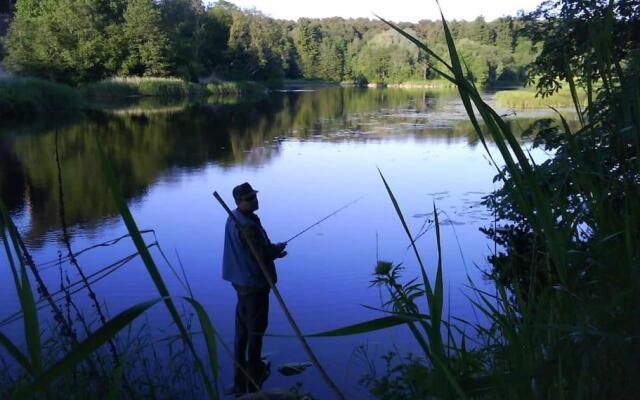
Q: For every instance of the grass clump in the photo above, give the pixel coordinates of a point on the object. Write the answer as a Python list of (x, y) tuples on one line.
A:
[(146, 87), (81, 347), (234, 88), (525, 98), (424, 83), (22, 98)]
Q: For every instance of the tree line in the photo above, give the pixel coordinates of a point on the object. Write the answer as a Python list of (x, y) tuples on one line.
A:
[(77, 41)]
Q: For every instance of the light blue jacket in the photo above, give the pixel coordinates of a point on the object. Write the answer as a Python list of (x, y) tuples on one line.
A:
[(238, 264)]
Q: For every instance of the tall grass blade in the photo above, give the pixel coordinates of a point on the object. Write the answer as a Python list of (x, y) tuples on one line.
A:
[(15, 353), (25, 294), (85, 348), (436, 351), (371, 325), (209, 335), (438, 292), (117, 378), (31, 323), (396, 206), (151, 267)]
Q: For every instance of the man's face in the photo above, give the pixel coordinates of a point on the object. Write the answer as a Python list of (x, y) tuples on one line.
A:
[(249, 203)]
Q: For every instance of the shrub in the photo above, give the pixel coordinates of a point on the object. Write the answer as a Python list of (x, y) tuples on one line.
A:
[(23, 97)]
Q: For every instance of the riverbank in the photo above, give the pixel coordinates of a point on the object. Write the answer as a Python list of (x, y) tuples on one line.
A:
[(302, 84), (421, 84), (165, 87), (143, 87), (22, 98), (427, 84)]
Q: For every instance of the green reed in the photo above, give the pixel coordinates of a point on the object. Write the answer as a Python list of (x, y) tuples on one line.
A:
[(234, 88), (524, 98), (141, 86), (42, 374), (22, 98), (564, 323)]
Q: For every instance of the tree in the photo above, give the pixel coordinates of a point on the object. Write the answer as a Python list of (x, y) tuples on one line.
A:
[(307, 39), (486, 63), (389, 58), (331, 59), (183, 22), (479, 31), (61, 40), (84, 40), (217, 24), (505, 35), (147, 46), (561, 28), (259, 47)]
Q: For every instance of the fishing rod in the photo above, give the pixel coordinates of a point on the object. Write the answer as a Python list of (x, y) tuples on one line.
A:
[(325, 218)]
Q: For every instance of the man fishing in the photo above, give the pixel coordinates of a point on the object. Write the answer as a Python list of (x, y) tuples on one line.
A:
[(242, 269)]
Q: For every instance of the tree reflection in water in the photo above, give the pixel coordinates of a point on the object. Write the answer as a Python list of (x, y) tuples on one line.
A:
[(150, 141)]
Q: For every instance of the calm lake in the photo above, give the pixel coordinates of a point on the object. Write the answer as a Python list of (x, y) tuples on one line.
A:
[(308, 153)]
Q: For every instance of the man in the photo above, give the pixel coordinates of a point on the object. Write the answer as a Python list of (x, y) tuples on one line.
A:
[(242, 269)]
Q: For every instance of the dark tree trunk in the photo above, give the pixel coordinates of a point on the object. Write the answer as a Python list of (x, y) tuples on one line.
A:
[(425, 71)]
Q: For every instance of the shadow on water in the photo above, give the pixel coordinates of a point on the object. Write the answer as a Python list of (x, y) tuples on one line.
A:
[(152, 139)]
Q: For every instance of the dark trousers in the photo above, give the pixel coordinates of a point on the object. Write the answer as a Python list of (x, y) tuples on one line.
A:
[(252, 313)]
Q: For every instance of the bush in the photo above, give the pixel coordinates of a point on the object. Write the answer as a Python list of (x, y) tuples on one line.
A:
[(135, 86), (527, 99), (21, 98), (237, 88)]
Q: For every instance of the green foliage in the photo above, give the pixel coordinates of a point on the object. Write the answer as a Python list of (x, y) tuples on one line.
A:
[(223, 42), (78, 41), (307, 38), (563, 319), (259, 46), (234, 88), (388, 58), (145, 43), (61, 40), (183, 22), (133, 86), (217, 24), (331, 66), (521, 99), (402, 379), (26, 97), (560, 27)]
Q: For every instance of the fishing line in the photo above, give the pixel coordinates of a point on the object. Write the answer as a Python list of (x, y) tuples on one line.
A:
[(325, 218)]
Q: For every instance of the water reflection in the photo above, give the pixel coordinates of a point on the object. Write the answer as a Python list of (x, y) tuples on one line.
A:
[(151, 139), (308, 152)]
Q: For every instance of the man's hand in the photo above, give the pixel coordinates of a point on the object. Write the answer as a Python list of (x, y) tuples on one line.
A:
[(280, 249)]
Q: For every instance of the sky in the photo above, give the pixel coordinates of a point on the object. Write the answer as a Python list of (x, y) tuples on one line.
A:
[(394, 10)]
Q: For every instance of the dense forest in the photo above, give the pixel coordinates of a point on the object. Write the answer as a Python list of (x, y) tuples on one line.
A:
[(78, 41)]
